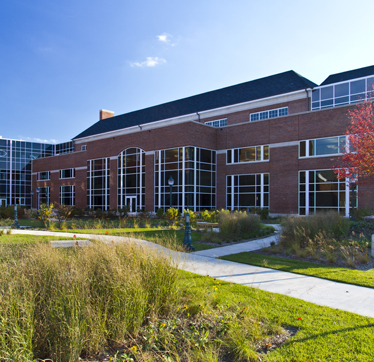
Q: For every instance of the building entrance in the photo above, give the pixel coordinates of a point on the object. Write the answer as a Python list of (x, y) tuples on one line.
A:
[(131, 203), (3, 202)]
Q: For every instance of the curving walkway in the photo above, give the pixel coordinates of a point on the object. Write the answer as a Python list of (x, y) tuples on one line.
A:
[(328, 293)]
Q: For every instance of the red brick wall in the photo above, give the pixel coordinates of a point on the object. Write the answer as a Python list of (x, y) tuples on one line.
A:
[(283, 165)]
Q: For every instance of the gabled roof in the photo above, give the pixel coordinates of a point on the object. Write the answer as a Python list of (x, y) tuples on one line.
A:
[(350, 74), (273, 85)]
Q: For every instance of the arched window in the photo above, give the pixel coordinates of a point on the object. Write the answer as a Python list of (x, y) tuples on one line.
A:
[(131, 179)]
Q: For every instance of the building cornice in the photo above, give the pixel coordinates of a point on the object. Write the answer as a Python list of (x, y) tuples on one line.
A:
[(217, 112)]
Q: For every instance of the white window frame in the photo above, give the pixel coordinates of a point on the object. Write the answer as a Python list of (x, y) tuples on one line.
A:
[(307, 148), (263, 115), (236, 163)]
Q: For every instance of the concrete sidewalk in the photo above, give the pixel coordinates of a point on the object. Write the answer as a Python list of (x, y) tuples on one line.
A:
[(342, 296)]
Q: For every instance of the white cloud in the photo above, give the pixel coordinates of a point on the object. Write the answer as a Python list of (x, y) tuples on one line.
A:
[(167, 39), (40, 140), (150, 62), (164, 37)]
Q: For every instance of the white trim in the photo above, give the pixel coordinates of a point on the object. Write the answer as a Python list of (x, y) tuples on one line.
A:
[(280, 98), (284, 144), (221, 152), (149, 153), (113, 157), (81, 168)]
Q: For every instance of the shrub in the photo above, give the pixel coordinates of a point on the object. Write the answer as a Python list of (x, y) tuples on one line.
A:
[(160, 213), (45, 213), (6, 212), (172, 214), (359, 214), (192, 217)]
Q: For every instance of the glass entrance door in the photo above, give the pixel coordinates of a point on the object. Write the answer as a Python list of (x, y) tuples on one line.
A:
[(131, 203), (3, 202)]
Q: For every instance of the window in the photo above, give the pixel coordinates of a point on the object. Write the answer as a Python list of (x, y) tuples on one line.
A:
[(218, 123), (343, 93), (193, 170), (320, 190), (67, 173), (131, 179), (273, 113), (245, 191), (98, 183), (67, 195), (84, 148), (322, 146), (43, 176), (248, 154)]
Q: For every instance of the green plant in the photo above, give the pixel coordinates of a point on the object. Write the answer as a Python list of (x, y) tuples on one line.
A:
[(45, 213), (172, 214), (160, 213), (359, 214)]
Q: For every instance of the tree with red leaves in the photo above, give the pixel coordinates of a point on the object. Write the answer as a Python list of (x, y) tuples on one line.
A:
[(357, 162)]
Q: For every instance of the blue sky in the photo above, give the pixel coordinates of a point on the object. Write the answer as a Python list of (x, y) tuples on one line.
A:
[(63, 61)]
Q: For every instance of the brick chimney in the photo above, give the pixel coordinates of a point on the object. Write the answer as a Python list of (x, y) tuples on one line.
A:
[(105, 114)]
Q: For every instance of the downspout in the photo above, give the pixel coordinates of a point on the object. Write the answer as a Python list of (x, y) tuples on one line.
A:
[(307, 99), (198, 117)]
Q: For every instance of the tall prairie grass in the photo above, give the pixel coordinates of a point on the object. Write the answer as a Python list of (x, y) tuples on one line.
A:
[(239, 225), (62, 304), (325, 237)]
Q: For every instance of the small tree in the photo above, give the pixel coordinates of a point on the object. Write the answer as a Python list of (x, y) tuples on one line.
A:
[(45, 213), (63, 212), (357, 161)]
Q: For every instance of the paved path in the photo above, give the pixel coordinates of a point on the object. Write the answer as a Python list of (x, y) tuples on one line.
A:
[(346, 297)]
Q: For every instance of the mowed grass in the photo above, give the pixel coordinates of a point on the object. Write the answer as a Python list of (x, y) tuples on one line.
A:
[(22, 239), (344, 275), (325, 334)]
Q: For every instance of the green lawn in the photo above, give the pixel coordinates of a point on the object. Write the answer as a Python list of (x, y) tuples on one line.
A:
[(325, 334), (22, 239), (357, 277)]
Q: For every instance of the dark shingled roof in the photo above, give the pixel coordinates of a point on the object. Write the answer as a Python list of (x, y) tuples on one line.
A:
[(351, 74), (256, 89)]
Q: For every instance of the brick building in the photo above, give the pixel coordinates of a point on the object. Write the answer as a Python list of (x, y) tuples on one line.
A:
[(268, 143)]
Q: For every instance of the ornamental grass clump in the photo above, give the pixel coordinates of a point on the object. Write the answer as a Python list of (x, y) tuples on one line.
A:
[(300, 230), (238, 225), (61, 304)]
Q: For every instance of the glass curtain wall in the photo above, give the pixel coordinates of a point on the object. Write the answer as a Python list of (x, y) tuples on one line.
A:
[(131, 179), (98, 182), (193, 170), (320, 190), (16, 169), (245, 191)]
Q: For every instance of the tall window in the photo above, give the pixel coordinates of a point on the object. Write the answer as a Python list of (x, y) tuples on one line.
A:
[(43, 197), (98, 176), (320, 190), (247, 191), (67, 195), (194, 172), (131, 179)]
